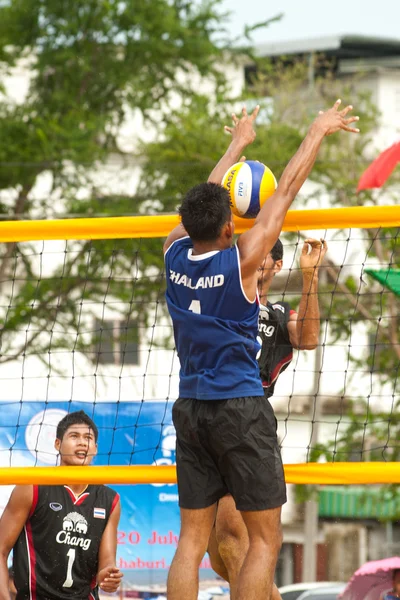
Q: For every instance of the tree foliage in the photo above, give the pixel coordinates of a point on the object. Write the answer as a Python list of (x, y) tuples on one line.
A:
[(90, 65)]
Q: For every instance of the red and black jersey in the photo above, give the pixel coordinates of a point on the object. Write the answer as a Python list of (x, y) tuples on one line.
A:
[(276, 349), (56, 554)]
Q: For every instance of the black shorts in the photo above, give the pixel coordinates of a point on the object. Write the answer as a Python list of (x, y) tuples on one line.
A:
[(228, 446)]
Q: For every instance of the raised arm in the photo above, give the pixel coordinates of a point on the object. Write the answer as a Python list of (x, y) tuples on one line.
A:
[(12, 522), (304, 326), (255, 243), (243, 134)]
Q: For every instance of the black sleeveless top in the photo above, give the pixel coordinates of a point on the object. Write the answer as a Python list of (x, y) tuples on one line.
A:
[(276, 349), (56, 554)]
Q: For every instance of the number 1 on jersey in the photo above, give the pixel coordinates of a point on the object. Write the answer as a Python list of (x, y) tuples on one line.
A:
[(195, 307), (71, 559)]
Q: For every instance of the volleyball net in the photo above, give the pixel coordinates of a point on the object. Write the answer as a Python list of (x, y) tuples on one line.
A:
[(85, 326)]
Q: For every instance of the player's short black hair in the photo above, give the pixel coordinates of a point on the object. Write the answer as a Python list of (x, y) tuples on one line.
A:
[(395, 571), (204, 210), (78, 417), (277, 251)]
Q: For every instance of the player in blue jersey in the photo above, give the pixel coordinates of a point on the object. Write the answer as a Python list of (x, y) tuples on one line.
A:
[(225, 429), (280, 329)]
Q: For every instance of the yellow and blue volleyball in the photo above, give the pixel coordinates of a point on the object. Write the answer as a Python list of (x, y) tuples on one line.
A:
[(249, 184)]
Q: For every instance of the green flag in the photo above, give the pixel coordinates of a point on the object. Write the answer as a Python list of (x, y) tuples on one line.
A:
[(389, 278)]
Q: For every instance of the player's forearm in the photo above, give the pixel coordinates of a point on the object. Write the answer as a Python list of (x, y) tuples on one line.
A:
[(300, 166), (295, 174), (308, 319), (231, 156)]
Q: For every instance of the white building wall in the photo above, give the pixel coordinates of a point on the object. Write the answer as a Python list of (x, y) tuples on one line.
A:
[(388, 101)]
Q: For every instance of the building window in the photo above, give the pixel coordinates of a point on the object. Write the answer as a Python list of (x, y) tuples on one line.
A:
[(116, 342)]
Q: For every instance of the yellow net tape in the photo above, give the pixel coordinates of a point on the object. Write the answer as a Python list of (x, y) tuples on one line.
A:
[(158, 226), (309, 473)]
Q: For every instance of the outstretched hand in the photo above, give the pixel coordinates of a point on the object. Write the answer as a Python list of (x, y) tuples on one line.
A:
[(334, 120), (312, 255), (243, 128), (242, 134)]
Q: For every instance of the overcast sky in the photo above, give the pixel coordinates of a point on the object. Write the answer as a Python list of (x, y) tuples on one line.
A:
[(315, 18)]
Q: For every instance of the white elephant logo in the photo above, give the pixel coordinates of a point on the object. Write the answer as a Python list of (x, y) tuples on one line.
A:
[(75, 522)]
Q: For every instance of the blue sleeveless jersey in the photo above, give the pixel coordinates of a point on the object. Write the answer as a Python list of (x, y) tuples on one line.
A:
[(215, 325)]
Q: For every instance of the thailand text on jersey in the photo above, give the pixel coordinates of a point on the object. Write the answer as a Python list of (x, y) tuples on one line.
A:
[(215, 325), (56, 554), (276, 348)]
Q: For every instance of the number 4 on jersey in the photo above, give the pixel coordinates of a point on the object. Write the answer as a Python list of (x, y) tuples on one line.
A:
[(195, 307)]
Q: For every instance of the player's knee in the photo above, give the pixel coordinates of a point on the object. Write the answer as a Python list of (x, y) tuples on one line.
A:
[(232, 533), (269, 542), (194, 546), (232, 546)]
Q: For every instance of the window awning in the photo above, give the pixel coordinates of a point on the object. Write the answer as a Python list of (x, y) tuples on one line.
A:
[(358, 502)]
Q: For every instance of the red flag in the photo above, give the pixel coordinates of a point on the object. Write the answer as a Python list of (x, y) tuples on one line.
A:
[(379, 170)]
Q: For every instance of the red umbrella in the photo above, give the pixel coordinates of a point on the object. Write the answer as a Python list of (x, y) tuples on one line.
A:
[(378, 171)]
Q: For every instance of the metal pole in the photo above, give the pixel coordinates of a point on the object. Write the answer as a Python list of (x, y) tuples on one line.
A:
[(311, 71), (309, 566), (389, 538)]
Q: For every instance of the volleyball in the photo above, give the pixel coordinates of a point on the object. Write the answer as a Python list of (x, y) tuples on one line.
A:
[(249, 185)]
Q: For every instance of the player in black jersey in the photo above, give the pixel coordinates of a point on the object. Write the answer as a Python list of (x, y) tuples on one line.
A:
[(64, 538), (280, 330)]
